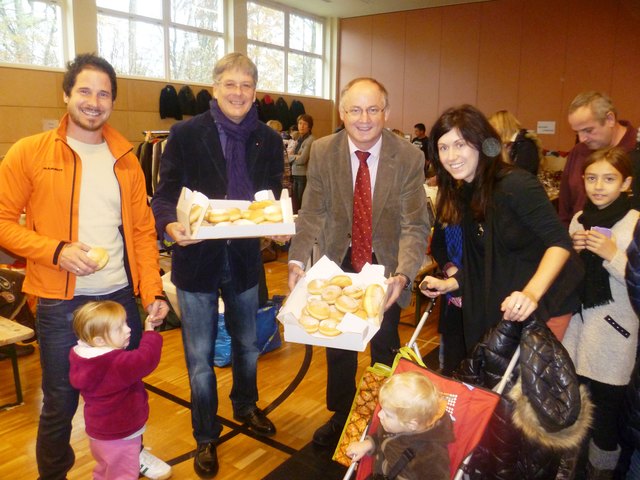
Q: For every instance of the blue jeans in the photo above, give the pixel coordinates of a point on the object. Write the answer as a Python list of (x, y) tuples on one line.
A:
[(199, 332), (59, 399)]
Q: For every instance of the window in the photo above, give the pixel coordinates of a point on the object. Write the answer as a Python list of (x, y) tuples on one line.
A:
[(287, 47), (143, 39), (31, 32)]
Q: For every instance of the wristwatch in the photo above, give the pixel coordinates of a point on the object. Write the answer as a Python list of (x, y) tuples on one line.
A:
[(407, 284)]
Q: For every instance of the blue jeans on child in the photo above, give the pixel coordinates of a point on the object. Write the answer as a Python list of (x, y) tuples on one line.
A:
[(199, 315), (54, 454)]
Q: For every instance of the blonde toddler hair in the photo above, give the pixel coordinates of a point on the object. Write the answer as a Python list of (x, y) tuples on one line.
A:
[(412, 396), (95, 319)]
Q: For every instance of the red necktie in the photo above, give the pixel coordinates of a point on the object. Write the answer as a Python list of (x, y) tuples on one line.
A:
[(361, 228)]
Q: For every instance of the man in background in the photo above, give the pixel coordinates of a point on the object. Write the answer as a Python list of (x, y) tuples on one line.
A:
[(225, 153), (421, 141), (364, 203), (82, 187), (594, 118)]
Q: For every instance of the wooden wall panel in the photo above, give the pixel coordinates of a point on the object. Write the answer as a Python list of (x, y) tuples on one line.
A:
[(459, 55), (499, 64), (590, 48), (542, 66), (532, 57), (387, 63), (28, 97), (422, 68), (356, 43), (626, 78)]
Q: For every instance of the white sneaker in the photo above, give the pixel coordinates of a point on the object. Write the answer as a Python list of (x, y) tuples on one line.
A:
[(152, 467)]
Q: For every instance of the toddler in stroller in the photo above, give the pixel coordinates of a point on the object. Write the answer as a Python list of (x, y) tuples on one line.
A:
[(414, 426)]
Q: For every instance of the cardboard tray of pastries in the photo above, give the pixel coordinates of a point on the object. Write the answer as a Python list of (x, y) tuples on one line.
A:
[(331, 308), (216, 219)]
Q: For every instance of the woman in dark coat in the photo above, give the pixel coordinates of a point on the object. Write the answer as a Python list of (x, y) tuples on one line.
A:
[(514, 245)]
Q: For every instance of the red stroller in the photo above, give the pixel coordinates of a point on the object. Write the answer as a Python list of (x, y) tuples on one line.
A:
[(470, 408)]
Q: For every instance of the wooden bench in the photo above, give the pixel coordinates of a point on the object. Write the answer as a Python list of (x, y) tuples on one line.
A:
[(10, 333)]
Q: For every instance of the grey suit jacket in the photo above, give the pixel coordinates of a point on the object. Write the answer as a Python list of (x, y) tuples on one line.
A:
[(400, 218)]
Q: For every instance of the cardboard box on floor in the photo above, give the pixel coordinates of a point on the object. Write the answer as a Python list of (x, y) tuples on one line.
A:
[(202, 231), (356, 332)]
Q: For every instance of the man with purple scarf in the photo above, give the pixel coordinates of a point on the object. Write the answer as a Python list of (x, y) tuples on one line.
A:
[(225, 153)]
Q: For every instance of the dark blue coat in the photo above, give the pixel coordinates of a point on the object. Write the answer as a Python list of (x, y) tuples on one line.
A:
[(632, 400), (193, 158)]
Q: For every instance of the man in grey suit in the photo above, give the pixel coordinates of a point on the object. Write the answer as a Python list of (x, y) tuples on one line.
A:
[(398, 224)]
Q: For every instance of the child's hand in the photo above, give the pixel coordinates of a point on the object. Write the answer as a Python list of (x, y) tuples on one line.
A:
[(601, 245), (579, 240), (357, 450), (151, 323)]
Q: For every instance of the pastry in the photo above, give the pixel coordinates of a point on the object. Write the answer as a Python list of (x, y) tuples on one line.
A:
[(340, 280), (347, 304), (330, 293), (319, 309), (353, 291), (316, 285), (260, 205), (273, 213), (328, 328), (334, 313), (256, 216), (216, 215), (194, 214), (234, 214), (309, 324), (98, 255), (373, 297)]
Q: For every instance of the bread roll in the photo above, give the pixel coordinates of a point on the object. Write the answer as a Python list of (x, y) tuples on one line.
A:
[(256, 216), (319, 309), (373, 297), (309, 324), (340, 280), (334, 313), (353, 291), (98, 255), (330, 293), (194, 214), (273, 213), (260, 205), (328, 328), (217, 215), (315, 286), (361, 313), (347, 304)]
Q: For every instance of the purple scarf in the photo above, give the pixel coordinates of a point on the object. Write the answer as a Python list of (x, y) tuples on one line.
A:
[(239, 185)]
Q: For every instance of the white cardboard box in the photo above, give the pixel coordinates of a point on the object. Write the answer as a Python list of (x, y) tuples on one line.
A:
[(356, 332), (203, 232)]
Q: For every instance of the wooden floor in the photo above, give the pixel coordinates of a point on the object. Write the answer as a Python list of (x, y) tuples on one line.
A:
[(169, 428)]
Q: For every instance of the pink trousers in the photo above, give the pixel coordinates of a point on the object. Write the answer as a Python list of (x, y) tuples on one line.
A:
[(116, 459)]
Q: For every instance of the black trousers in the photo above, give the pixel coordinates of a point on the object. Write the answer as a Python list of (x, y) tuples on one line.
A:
[(342, 365), (299, 184)]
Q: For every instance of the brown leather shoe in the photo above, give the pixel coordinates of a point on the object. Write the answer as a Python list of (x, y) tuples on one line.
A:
[(257, 421), (205, 462)]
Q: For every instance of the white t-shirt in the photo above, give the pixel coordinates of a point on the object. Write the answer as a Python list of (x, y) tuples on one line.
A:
[(100, 217)]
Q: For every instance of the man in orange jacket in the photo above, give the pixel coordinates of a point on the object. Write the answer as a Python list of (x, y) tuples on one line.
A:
[(81, 187)]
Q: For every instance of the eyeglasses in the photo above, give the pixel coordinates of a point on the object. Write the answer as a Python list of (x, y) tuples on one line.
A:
[(244, 87), (356, 112)]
